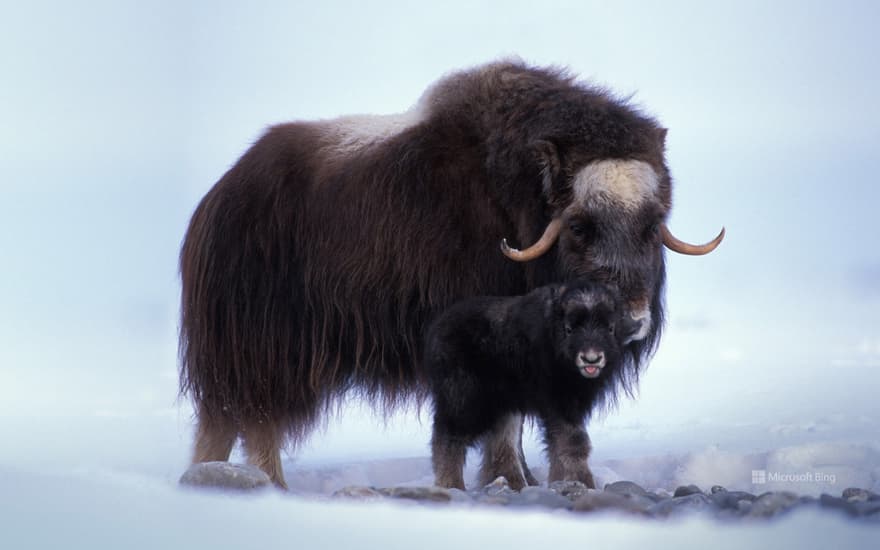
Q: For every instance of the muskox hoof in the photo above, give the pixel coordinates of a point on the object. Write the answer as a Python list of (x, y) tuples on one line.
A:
[(587, 479)]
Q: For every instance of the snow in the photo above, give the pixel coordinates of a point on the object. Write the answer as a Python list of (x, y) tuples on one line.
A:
[(110, 481), (87, 511)]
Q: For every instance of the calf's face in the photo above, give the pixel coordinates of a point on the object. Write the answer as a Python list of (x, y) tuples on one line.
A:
[(591, 329)]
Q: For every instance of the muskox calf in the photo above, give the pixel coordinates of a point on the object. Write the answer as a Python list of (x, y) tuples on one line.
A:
[(552, 353)]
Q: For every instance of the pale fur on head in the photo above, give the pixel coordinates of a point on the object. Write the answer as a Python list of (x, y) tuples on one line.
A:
[(615, 183)]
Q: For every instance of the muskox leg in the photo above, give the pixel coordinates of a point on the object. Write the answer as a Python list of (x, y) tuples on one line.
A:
[(214, 439), (502, 453), (568, 447), (448, 454), (262, 445)]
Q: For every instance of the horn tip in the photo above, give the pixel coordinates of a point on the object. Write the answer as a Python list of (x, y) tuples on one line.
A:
[(506, 247)]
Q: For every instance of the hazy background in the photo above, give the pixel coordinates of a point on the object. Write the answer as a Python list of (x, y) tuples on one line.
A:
[(116, 117)]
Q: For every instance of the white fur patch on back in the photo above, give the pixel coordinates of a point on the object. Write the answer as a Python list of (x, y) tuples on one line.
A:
[(349, 134), (620, 183)]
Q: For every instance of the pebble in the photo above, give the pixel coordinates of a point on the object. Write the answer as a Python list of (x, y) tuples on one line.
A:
[(540, 497), (854, 494), (772, 504), (620, 497), (225, 475), (356, 491), (571, 490), (498, 487), (694, 502), (626, 488), (422, 494), (596, 501), (731, 500), (686, 490)]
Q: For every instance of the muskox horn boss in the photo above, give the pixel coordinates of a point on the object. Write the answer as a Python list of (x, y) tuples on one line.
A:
[(676, 245), (539, 248)]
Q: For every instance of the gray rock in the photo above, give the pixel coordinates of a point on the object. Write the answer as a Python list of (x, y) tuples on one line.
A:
[(695, 502), (540, 497), (571, 490), (498, 487), (422, 494), (772, 504), (225, 475), (686, 490), (854, 494), (659, 494), (717, 489), (597, 501), (730, 500), (358, 492), (493, 500), (457, 495), (626, 488)]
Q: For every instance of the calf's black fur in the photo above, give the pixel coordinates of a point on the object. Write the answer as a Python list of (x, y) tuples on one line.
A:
[(553, 353)]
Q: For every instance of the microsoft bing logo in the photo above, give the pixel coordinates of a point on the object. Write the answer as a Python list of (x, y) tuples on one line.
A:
[(759, 477)]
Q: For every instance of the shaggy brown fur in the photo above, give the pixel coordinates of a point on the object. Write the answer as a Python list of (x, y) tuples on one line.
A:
[(311, 269)]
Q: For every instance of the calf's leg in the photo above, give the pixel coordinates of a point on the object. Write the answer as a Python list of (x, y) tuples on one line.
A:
[(502, 453), (448, 454), (568, 447)]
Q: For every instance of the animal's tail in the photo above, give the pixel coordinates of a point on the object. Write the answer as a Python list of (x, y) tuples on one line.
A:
[(240, 309)]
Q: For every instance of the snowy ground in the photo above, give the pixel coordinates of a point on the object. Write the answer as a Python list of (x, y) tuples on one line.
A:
[(105, 512), (110, 481)]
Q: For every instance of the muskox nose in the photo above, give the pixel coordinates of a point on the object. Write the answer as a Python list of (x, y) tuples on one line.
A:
[(591, 358)]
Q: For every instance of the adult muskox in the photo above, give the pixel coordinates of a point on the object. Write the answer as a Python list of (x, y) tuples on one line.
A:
[(311, 269)]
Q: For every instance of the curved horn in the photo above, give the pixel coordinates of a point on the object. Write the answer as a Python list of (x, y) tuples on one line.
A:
[(682, 247), (539, 248)]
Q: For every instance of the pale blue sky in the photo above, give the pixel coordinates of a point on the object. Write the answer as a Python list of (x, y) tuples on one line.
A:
[(118, 116)]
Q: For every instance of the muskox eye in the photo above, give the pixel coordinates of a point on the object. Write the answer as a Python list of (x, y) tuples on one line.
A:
[(611, 329), (652, 233), (568, 329), (582, 230)]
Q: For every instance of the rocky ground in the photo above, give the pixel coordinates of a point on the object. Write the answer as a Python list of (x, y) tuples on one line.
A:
[(619, 497)]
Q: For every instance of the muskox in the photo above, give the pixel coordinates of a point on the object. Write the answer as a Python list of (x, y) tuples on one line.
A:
[(311, 268), (553, 353)]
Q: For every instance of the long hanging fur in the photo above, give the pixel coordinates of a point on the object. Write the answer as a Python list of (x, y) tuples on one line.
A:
[(311, 269)]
